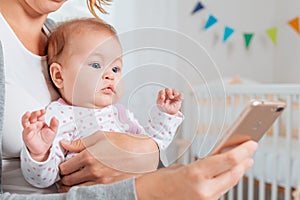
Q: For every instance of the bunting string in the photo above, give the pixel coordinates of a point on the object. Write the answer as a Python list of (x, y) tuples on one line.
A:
[(293, 23)]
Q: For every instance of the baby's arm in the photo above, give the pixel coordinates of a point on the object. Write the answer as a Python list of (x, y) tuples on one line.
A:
[(39, 163), (164, 118)]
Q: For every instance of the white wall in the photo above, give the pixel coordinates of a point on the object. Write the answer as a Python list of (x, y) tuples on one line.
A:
[(263, 61), (287, 58)]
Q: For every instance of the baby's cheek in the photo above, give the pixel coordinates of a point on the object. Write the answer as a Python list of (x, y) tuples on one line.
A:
[(120, 88)]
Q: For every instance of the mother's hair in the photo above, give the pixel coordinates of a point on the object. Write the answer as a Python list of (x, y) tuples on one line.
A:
[(92, 4)]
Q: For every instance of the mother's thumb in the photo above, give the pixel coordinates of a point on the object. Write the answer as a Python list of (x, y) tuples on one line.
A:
[(73, 146)]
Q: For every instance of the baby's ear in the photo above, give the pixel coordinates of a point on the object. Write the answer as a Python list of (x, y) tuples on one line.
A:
[(55, 70)]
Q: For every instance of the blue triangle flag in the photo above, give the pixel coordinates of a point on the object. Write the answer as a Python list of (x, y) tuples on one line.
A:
[(198, 7), (210, 21), (227, 33)]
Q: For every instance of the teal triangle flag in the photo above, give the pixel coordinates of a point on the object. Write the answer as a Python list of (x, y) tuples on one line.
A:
[(198, 7), (227, 33), (210, 21), (248, 37)]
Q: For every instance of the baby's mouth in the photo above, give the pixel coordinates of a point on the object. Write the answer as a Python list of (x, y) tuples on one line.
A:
[(108, 90)]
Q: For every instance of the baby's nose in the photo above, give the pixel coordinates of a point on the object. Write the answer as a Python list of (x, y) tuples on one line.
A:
[(109, 76)]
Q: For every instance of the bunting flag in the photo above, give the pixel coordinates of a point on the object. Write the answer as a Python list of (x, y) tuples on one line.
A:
[(272, 33), (294, 23), (210, 21), (248, 37), (198, 7), (227, 33)]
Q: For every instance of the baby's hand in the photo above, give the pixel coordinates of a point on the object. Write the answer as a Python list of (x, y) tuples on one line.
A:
[(169, 101), (37, 135)]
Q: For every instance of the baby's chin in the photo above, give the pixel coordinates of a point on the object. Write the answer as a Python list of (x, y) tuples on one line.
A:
[(98, 103), (92, 105), (105, 104)]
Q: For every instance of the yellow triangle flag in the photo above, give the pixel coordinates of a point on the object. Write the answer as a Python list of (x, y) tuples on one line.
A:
[(294, 23), (272, 33)]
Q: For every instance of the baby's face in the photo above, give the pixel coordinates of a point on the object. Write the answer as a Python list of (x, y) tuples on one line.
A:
[(92, 70)]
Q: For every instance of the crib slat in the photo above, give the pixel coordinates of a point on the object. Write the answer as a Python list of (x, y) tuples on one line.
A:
[(288, 138), (240, 190), (230, 194), (274, 188), (261, 179), (250, 185)]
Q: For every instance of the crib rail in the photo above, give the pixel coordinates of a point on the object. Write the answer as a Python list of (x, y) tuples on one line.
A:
[(261, 89), (276, 155)]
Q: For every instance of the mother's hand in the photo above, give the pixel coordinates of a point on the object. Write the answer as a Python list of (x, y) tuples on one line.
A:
[(106, 158), (206, 179)]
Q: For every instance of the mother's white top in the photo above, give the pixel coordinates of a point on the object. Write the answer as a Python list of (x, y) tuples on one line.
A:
[(22, 94)]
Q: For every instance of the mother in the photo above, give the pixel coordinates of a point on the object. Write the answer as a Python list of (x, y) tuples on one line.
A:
[(25, 86)]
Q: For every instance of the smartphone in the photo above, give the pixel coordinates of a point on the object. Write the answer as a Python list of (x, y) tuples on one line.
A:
[(251, 124)]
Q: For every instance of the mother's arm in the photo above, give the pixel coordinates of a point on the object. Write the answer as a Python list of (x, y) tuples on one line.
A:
[(107, 157)]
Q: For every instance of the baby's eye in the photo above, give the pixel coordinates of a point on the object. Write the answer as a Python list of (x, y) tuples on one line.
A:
[(115, 69), (95, 65)]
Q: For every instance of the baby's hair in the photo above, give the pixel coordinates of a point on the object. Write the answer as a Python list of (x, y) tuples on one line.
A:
[(92, 4), (64, 33)]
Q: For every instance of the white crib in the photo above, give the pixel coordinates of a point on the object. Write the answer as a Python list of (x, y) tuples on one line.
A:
[(276, 171)]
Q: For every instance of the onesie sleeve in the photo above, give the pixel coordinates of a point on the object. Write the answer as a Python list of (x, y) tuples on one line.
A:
[(162, 127), (44, 174)]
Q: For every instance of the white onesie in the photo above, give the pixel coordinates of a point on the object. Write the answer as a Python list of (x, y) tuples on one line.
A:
[(77, 122)]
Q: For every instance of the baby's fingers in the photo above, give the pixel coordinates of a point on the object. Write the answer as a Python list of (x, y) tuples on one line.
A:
[(28, 133), (37, 116), (179, 96), (42, 115), (169, 93), (25, 120), (54, 124), (161, 97)]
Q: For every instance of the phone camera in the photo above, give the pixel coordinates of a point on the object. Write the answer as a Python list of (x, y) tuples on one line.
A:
[(279, 109)]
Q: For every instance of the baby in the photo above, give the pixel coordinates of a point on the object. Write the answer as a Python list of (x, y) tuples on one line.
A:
[(85, 65)]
